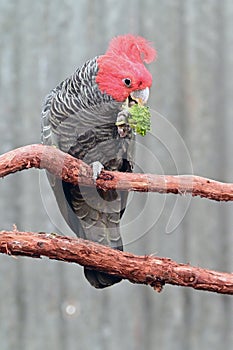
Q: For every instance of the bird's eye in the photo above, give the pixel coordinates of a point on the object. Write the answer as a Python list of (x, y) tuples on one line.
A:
[(127, 82)]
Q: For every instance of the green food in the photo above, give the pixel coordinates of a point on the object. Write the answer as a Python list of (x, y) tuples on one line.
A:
[(139, 119)]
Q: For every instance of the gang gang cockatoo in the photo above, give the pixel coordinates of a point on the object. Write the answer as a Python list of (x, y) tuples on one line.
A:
[(79, 117)]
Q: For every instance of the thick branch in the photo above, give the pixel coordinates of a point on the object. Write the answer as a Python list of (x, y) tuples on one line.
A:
[(150, 270), (75, 171)]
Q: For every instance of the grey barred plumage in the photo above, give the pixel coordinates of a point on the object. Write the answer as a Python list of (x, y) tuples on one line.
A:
[(80, 120), (79, 117)]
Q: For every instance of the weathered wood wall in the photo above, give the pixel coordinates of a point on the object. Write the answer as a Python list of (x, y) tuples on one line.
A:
[(44, 304)]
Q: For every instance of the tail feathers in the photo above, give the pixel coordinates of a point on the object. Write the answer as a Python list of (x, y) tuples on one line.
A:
[(100, 280), (105, 230)]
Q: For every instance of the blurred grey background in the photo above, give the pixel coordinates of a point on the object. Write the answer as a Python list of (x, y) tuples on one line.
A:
[(49, 305)]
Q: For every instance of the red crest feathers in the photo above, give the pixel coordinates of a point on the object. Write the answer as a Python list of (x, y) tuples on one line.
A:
[(124, 59), (135, 48)]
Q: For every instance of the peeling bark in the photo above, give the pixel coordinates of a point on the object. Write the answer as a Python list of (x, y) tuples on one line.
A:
[(149, 270), (75, 171)]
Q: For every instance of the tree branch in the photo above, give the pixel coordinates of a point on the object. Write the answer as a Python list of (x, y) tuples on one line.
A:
[(75, 171), (149, 270)]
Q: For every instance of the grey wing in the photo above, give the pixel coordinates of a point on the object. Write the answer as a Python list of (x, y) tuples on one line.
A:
[(48, 137), (46, 129), (91, 214), (58, 122)]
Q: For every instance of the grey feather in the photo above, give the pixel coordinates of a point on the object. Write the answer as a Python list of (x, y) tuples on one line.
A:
[(80, 120)]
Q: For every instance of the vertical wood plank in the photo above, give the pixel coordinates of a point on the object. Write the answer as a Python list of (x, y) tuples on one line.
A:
[(49, 304)]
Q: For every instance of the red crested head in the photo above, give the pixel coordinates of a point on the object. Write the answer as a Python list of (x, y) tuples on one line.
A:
[(121, 69)]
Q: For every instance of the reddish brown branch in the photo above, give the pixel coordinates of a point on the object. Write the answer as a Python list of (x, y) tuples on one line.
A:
[(75, 171), (150, 270)]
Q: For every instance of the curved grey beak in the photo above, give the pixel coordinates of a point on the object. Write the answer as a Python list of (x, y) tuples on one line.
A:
[(140, 96)]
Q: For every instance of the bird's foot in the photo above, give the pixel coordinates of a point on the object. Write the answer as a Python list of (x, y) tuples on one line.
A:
[(97, 167), (122, 124)]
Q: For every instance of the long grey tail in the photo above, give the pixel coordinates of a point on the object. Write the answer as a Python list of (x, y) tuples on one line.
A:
[(98, 213), (91, 220)]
